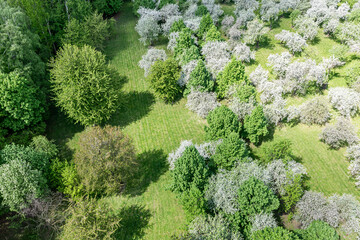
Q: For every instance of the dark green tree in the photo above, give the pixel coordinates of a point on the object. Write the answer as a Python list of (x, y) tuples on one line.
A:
[(231, 150), (221, 122), (233, 73), (108, 7), (178, 26), (200, 79), (205, 24), (201, 11), (256, 125), (255, 197), (163, 79), (274, 233), (85, 87)]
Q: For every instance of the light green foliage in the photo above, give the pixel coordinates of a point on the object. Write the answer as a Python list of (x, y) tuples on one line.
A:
[(231, 150), (77, 9), (201, 11), (274, 233), (163, 79), (200, 79), (89, 218), (340, 52), (205, 24), (190, 171), (319, 230), (104, 160), (354, 16), (43, 145), (213, 34), (255, 197), (18, 45), (22, 103), (193, 202), (256, 125), (233, 73), (221, 122), (92, 31), (294, 15), (293, 192), (352, 75), (178, 26), (85, 87), (70, 183), (183, 42), (189, 54), (244, 91), (19, 183), (277, 149), (37, 159), (108, 7)]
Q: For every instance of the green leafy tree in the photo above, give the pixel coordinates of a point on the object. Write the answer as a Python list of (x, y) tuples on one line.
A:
[(183, 42), (77, 9), (189, 54), (105, 160), (221, 122), (89, 218), (205, 24), (85, 87), (108, 7), (277, 149), (255, 197), (165, 2), (43, 145), (256, 125), (70, 183), (178, 26), (233, 73), (231, 150), (19, 184), (163, 79), (293, 192), (274, 233), (318, 230), (244, 91), (190, 171), (92, 31), (22, 103), (201, 11), (193, 202), (200, 79), (213, 35)]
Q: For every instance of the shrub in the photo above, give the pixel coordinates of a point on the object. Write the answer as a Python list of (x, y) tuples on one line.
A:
[(201, 11), (213, 35), (277, 149), (89, 219), (200, 79), (274, 233), (221, 122), (177, 26), (216, 55), (190, 170), (256, 125), (255, 197), (352, 76), (243, 53), (307, 27), (143, 3), (314, 111), (20, 183), (233, 73), (319, 230), (163, 79), (104, 160), (85, 87), (339, 135), (244, 92), (255, 32), (262, 221), (205, 24), (231, 150), (43, 145), (22, 103), (201, 102), (293, 193)]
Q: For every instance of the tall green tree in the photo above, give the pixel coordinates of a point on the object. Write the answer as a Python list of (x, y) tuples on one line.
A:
[(200, 79), (108, 7), (205, 24), (84, 85), (256, 125)]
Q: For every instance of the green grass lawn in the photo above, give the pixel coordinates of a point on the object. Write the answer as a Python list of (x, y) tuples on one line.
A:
[(151, 211)]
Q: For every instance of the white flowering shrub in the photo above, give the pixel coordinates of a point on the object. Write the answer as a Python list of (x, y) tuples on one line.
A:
[(148, 29), (175, 155), (292, 40), (247, 4), (331, 25), (341, 134), (227, 22), (186, 71), (307, 27), (170, 10), (243, 16), (172, 40), (201, 102), (243, 53), (269, 11), (259, 76), (153, 13), (314, 111), (279, 62), (293, 114), (193, 23), (255, 32), (345, 100), (263, 220), (214, 9), (150, 58), (276, 112), (270, 91), (207, 149), (216, 55)]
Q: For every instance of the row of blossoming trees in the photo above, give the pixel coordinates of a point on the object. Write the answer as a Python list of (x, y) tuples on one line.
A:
[(224, 190)]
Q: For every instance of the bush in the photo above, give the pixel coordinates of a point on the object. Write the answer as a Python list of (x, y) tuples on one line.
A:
[(177, 26), (221, 122), (233, 73), (205, 24), (256, 125), (339, 135), (190, 171), (89, 219), (108, 7), (163, 79), (43, 145), (85, 87), (274, 233), (231, 150), (20, 183), (352, 76), (104, 160), (277, 149), (319, 230), (314, 111), (243, 92), (200, 79), (202, 102), (93, 31), (213, 35)]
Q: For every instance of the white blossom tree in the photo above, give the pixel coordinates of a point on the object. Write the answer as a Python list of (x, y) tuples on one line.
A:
[(307, 27), (279, 62), (259, 76), (217, 56), (263, 220), (292, 40), (243, 53), (201, 102), (255, 32), (276, 111), (148, 29), (150, 58), (314, 111), (345, 100)]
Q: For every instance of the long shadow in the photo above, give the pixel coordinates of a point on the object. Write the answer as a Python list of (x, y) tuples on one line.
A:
[(134, 221), (151, 165), (138, 105)]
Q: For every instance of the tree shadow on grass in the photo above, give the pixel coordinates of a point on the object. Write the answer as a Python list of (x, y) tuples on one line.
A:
[(151, 165), (136, 105), (134, 221)]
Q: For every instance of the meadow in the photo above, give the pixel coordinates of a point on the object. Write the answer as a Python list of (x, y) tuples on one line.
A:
[(153, 212)]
